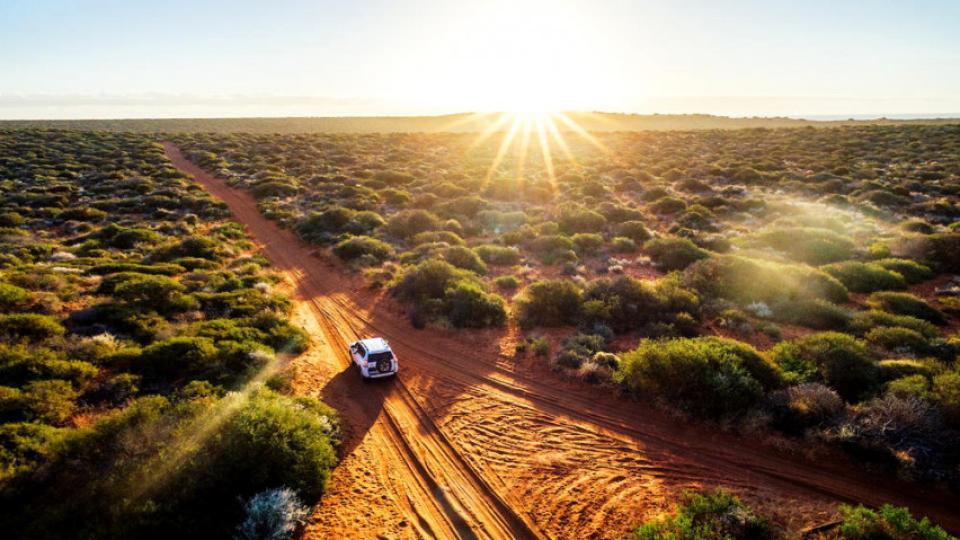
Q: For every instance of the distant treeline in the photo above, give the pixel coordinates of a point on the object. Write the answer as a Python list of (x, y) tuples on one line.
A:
[(465, 122)]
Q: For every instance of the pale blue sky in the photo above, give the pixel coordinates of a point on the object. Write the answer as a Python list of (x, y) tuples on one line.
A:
[(112, 58)]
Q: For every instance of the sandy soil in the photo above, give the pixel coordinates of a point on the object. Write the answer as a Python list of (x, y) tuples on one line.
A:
[(470, 443)]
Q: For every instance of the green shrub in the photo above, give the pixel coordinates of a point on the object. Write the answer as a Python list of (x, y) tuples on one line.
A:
[(464, 257), (905, 304), (707, 516), (668, 205), (195, 246), (708, 376), (813, 313), (12, 296), (25, 445), (364, 250), (574, 219), (551, 248), (863, 321), (809, 245), (865, 277), (430, 237), (177, 357), (183, 480), (468, 306), (800, 407), (498, 255), (634, 230), (49, 401), (587, 243), (897, 338), (837, 360), (549, 303), (507, 283), (912, 271), (435, 288), (29, 327), (886, 523), (674, 253), (18, 365), (946, 392), (159, 293), (409, 223), (747, 280), (940, 251), (622, 244), (323, 227), (902, 367), (629, 304)]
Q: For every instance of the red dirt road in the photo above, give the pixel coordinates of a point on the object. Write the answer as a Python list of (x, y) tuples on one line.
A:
[(470, 443)]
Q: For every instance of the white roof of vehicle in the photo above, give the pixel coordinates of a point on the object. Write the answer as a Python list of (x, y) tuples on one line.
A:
[(376, 344)]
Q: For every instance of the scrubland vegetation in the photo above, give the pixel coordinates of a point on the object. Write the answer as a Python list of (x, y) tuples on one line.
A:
[(142, 393), (719, 515), (791, 281)]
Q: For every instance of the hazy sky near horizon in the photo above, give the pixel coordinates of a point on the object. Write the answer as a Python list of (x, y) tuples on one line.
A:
[(115, 58)]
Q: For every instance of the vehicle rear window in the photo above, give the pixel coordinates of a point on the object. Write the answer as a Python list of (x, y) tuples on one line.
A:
[(377, 356)]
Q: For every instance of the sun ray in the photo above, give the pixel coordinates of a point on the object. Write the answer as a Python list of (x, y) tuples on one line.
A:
[(490, 130), (524, 145), (546, 152), (558, 138), (504, 146), (576, 128), (464, 119)]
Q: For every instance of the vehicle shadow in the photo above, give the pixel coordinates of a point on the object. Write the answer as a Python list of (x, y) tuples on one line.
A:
[(359, 403)]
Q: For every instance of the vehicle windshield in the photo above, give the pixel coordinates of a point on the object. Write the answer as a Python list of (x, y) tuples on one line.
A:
[(377, 356)]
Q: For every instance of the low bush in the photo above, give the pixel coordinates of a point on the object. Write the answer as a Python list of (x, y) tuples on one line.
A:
[(435, 288), (177, 357), (865, 277), (708, 516), (887, 523), (464, 257), (707, 377), (940, 251), (622, 244), (838, 360), (363, 250), (912, 271), (804, 406), (263, 440), (507, 283), (409, 223), (634, 230), (668, 205), (863, 321), (274, 514), (897, 339), (746, 280), (575, 219), (626, 303), (29, 327), (12, 296), (813, 313), (549, 303), (498, 255), (906, 304), (809, 245), (674, 253), (586, 244), (194, 246)]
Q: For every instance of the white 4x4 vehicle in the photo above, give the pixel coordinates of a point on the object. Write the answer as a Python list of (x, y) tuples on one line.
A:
[(374, 358)]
